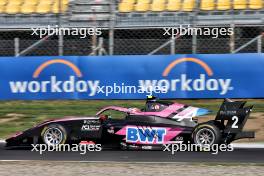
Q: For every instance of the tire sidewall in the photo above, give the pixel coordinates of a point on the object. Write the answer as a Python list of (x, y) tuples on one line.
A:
[(60, 127), (211, 127)]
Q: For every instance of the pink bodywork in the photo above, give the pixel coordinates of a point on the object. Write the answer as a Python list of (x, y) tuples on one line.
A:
[(170, 132), (164, 113)]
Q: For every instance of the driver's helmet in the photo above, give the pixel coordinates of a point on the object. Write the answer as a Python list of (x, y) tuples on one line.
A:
[(151, 98), (151, 105)]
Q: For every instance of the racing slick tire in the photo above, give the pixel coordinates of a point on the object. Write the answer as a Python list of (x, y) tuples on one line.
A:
[(206, 133), (54, 134)]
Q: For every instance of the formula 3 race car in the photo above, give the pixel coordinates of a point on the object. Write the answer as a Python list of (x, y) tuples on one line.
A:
[(158, 123)]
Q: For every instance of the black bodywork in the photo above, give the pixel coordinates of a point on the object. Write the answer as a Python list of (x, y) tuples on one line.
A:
[(230, 119)]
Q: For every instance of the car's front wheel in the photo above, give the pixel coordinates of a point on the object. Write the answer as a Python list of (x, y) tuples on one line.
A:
[(54, 134)]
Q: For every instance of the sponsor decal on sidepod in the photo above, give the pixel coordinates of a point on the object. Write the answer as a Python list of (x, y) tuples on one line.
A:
[(148, 135)]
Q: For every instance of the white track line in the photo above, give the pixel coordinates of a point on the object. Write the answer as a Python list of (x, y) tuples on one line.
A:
[(249, 145), (235, 145), (112, 162), (120, 162)]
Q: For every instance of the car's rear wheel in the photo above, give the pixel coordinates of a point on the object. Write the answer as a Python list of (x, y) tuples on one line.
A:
[(53, 135), (206, 134)]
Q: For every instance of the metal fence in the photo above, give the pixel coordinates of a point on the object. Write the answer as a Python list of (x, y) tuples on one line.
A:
[(128, 39), (130, 42)]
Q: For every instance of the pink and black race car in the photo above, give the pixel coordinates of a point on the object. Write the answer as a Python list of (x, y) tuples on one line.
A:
[(159, 123)]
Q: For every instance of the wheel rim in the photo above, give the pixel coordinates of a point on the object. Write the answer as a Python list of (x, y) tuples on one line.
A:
[(205, 137), (53, 136)]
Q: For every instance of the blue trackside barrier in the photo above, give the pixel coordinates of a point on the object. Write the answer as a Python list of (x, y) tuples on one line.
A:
[(132, 77)]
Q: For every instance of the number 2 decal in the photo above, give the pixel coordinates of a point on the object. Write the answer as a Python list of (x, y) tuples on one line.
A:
[(235, 119)]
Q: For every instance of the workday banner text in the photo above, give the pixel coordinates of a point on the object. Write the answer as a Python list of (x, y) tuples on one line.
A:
[(132, 77)]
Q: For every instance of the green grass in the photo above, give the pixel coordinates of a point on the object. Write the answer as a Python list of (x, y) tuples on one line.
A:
[(29, 113)]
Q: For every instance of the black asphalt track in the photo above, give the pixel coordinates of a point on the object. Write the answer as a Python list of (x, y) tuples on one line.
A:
[(237, 156)]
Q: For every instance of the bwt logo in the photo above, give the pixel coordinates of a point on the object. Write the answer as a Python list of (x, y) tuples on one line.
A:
[(146, 136), (183, 83), (53, 84)]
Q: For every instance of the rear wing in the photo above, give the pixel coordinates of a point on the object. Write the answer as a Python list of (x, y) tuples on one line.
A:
[(233, 115)]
